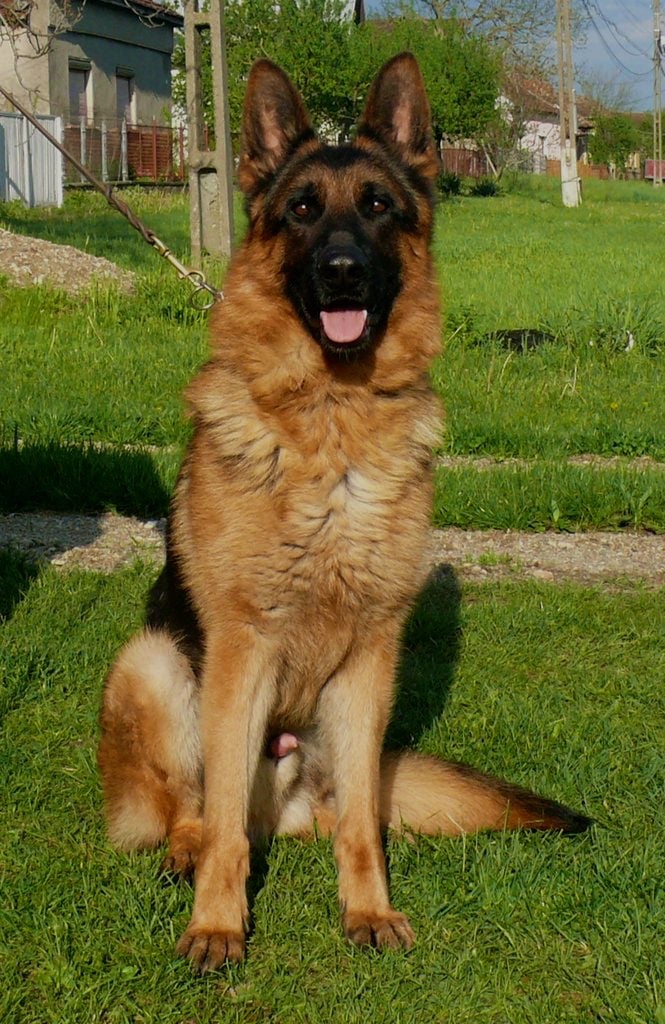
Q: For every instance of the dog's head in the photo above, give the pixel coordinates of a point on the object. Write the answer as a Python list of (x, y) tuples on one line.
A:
[(340, 214)]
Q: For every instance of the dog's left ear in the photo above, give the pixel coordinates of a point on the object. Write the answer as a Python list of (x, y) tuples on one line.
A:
[(274, 121), (398, 112)]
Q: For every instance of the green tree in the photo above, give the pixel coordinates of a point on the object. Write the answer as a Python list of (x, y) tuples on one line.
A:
[(461, 71), (645, 132), (615, 137), (332, 61), (308, 38), (522, 30)]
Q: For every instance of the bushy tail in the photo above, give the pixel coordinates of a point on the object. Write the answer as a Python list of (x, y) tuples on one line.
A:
[(437, 797)]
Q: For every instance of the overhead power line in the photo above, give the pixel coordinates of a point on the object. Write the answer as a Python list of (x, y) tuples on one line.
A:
[(616, 32), (617, 60), (626, 7)]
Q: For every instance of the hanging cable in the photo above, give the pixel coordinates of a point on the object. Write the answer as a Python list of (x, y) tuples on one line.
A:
[(615, 31), (608, 48)]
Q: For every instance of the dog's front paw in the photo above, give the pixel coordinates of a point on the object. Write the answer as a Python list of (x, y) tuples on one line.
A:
[(207, 949), (388, 930)]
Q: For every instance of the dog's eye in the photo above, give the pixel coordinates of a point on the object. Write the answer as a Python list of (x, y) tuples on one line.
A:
[(302, 209), (378, 206)]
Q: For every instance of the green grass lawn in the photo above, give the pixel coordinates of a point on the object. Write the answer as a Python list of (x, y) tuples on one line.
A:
[(559, 688), (524, 260), (110, 369), (556, 687)]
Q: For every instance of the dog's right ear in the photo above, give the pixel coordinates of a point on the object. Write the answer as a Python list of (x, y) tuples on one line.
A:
[(274, 121)]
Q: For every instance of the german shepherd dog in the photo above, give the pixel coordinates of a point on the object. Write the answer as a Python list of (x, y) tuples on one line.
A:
[(256, 699)]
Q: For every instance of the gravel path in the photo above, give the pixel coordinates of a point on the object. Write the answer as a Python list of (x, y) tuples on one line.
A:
[(107, 542)]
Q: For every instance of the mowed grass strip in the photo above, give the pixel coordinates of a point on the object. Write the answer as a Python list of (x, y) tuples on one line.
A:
[(87, 479), (542, 496), (550, 496), (523, 260), (558, 688), (558, 400), (106, 369)]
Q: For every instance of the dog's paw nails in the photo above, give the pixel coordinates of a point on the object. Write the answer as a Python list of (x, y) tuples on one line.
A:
[(384, 931), (177, 865), (207, 949)]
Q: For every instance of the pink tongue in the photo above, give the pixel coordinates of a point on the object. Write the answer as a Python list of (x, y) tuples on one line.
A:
[(344, 325)]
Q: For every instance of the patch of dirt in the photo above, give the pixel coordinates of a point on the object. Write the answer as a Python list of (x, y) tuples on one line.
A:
[(587, 558), (102, 543), (108, 542), (29, 261)]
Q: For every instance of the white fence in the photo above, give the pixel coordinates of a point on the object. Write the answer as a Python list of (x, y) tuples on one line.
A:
[(30, 167)]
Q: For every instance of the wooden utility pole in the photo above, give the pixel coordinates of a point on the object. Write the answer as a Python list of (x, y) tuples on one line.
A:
[(570, 182), (657, 97), (210, 170)]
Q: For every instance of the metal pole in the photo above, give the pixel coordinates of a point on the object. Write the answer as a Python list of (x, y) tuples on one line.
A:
[(657, 98), (570, 182), (105, 169), (210, 172), (124, 160)]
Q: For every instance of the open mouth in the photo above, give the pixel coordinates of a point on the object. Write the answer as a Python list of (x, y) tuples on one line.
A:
[(344, 326)]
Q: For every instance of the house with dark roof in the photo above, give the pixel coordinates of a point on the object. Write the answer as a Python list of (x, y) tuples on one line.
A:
[(99, 72), (534, 105), (96, 60)]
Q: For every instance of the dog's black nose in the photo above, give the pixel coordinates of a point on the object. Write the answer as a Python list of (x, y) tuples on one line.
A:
[(343, 266)]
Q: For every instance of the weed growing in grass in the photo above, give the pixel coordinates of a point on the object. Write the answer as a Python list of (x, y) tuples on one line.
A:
[(449, 184), (614, 326), (485, 187), (491, 559)]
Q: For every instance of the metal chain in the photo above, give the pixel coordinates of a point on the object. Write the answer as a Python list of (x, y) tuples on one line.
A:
[(203, 294)]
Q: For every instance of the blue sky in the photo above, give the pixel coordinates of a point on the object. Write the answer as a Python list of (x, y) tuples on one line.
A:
[(619, 47)]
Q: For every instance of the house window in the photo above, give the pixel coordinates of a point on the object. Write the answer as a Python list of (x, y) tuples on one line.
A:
[(79, 89), (124, 95)]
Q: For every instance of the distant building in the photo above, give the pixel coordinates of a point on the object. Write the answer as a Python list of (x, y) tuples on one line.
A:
[(96, 60), (535, 103)]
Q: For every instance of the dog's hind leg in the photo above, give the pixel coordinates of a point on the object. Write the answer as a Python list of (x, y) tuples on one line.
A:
[(149, 753)]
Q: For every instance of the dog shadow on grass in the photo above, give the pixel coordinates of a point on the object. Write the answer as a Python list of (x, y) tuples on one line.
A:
[(430, 653), (51, 499)]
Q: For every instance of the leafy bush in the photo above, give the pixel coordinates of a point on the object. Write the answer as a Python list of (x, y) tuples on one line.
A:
[(449, 183), (485, 187)]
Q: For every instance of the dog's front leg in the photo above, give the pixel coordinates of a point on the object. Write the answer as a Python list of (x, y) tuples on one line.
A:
[(354, 710), (237, 690)]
